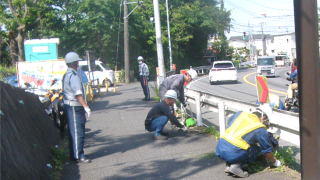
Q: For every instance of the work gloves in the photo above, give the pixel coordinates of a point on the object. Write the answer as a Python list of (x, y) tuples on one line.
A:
[(277, 163), (88, 110)]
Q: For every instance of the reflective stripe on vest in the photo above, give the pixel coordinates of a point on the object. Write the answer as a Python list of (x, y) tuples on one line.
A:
[(245, 123)]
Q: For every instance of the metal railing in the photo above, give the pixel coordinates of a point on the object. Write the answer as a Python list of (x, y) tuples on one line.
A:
[(285, 122)]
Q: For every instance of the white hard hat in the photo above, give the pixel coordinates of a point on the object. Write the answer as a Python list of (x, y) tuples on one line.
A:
[(171, 94), (192, 73), (72, 57), (266, 109), (140, 58)]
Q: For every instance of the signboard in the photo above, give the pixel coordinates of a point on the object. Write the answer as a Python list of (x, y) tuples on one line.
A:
[(262, 89), (40, 74)]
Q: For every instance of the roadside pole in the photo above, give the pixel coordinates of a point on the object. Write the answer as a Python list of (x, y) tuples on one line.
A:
[(159, 42), (307, 40), (126, 43), (169, 37)]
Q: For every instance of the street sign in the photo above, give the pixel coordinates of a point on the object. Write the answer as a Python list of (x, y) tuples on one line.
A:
[(262, 89)]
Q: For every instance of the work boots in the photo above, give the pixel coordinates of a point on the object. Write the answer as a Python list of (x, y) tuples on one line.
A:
[(237, 170)]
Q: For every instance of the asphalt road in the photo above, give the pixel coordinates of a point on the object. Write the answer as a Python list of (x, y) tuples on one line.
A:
[(245, 89)]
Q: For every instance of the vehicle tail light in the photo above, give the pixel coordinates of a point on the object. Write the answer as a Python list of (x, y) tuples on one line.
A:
[(215, 69)]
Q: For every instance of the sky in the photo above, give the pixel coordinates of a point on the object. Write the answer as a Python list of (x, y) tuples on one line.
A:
[(255, 16)]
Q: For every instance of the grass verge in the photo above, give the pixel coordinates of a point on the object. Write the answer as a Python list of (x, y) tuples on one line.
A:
[(212, 131), (156, 90), (286, 156), (60, 156)]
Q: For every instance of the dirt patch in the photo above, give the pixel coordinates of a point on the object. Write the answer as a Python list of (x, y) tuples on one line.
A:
[(27, 135)]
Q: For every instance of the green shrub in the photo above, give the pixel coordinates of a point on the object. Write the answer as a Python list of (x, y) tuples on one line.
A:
[(236, 63), (285, 155), (7, 71), (156, 90)]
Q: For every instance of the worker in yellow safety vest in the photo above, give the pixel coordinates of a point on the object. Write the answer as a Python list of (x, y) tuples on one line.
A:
[(239, 144)]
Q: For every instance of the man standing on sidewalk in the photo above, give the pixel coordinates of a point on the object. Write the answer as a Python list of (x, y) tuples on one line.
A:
[(176, 83), (75, 106), (159, 115), (144, 78), (239, 143)]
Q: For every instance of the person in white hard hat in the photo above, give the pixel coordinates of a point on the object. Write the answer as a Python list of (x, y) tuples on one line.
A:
[(144, 78), (159, 115), (75, 106), (239, 143), (176, 83)]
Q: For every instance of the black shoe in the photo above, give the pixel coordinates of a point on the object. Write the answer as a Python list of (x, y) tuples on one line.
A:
[(84, 160), (160, 137), (144, 99), (164, 133), (236, 170)]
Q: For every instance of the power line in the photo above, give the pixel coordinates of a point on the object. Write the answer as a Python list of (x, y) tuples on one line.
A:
[(253, 2), (241, 9)]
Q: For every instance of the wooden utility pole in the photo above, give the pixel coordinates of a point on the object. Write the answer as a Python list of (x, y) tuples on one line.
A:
[(126, 43)]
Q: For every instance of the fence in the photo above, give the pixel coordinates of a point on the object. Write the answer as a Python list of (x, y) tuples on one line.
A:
[(287, 123)]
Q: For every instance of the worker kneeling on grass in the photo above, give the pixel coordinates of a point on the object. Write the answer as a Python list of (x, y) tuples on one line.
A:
[(159, 115), (239, 144)]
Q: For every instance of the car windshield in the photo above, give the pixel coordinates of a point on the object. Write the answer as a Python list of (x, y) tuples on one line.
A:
[(223, 65), (265, 61), (279, 57), (105, 66)]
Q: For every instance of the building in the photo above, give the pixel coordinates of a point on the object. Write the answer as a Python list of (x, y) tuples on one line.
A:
[(266, 44)]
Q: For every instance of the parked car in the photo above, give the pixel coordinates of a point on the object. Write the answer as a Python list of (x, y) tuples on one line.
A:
[(12, 80), (101, 72), (266, 66), (223, 71)]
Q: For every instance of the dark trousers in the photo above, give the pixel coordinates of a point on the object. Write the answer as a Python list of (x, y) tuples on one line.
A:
[(158, 124), (145, 87), (76, 126)]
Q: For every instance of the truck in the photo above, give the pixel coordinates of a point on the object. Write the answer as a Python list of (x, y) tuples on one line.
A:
[(40, 74), (266, 66)]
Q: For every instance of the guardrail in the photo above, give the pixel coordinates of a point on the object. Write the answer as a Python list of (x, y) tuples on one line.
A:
[(202, 69), (252, 63), (284, 122)]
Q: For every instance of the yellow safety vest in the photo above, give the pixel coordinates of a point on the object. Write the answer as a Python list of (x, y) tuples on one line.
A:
[(245, 123)]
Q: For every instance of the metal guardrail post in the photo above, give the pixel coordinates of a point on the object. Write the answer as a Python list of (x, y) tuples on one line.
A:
[(198, 107), (222, 120), (99, 92), (106, 83)]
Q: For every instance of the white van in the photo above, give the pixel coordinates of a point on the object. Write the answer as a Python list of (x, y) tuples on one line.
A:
[(266, 66), (101, 72)]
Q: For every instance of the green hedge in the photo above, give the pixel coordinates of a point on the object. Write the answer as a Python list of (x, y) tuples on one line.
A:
[(7, 71)]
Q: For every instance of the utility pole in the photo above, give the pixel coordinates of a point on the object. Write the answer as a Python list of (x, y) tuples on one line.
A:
[(159, 42), (169, 38), (263, 40), (126, 43)]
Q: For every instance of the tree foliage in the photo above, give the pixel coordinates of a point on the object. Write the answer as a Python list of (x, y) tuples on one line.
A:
[(97, 25)]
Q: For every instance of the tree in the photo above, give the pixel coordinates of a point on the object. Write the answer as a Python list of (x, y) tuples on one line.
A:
[(22, 15)]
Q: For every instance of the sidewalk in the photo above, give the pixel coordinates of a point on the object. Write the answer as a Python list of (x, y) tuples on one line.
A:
[(120, 148)]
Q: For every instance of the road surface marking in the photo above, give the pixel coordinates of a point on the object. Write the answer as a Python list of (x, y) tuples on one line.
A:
[(245, 79)]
